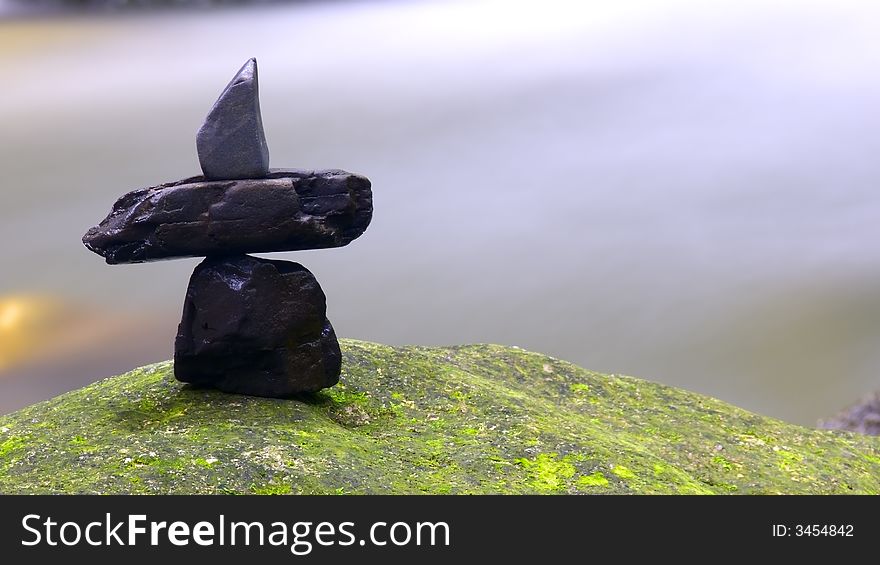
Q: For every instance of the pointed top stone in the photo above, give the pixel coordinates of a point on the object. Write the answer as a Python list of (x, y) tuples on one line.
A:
[(231, 143)]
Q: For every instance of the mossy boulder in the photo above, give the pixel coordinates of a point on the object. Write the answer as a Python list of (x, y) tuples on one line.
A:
[(469, 419)]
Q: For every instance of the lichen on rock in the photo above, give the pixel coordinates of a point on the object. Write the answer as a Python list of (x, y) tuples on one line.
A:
[(466, 419)]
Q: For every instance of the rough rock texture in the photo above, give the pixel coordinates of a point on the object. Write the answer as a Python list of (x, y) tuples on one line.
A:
[(862, 417), (231, 143), (470, 419), (288, 211), (255, 326)]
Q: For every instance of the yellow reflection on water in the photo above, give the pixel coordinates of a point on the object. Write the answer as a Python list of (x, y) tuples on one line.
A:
[(27, 325), (10, 314), (13, 340), (48, 330)]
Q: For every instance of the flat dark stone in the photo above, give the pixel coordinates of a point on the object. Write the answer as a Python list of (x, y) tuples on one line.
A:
[(290, 210), (255, 326), (231, 143)]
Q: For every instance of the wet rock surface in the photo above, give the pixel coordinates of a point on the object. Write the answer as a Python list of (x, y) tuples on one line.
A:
[(290, 210), (256, 326), (469, 419)]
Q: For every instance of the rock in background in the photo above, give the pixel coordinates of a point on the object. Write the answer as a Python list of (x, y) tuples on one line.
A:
[(862, 417)]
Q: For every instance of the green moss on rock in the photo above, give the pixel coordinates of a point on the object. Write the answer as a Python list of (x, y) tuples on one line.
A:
[(469, 419)]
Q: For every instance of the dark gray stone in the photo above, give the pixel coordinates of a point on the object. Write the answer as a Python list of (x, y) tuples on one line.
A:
[(862, 417), (231, 143), (288, 211), (255, 326)]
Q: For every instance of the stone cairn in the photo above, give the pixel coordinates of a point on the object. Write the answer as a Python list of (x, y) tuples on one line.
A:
[(250, 325)]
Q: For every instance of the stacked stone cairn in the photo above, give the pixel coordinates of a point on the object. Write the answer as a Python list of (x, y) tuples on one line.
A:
[(250, 325)]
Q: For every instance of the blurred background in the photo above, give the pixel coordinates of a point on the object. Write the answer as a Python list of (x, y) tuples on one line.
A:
[(683, 191)]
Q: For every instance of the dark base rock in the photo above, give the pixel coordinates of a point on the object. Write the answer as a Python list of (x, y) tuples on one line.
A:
[(255, 326)]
